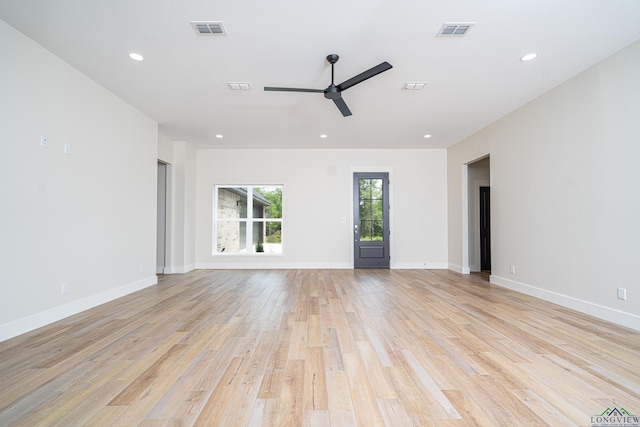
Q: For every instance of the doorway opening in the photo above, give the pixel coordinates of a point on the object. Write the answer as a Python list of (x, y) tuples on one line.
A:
[(485, 229), (477, 218)]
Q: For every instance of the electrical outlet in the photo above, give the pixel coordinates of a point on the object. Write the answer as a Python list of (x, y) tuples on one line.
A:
[(44, 142), (622, 293), (513, 269), (141, 268), (65, 288), (67, 148)]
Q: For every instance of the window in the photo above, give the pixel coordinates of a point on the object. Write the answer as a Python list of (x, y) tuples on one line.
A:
[(247, 219)]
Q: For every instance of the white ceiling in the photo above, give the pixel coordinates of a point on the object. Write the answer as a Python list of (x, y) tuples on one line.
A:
[(182, 83)]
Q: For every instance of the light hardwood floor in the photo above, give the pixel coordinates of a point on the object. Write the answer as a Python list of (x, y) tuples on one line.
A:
[(320, 348)]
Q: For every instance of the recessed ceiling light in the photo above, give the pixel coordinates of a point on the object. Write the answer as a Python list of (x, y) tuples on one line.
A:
[(427, 136), (219, 136), (529, 57), (323, 136), (136, 56)]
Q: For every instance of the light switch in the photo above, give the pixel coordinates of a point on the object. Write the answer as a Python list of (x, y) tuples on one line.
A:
[(67, 148)]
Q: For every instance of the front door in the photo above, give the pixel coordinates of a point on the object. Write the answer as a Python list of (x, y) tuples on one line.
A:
[(371, 220)]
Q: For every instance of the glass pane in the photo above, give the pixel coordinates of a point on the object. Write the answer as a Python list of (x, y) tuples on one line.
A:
[(273, 237), (231, 237), (267, 202), (365, 189), (376, 210), (365, 209), (376, 189), (232, 202), (258, 237), (267, 237), (376, 231), (365, 231)]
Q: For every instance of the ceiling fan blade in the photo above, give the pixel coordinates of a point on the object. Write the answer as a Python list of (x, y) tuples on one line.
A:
[(365, 75), (292, 89), (342, 106)]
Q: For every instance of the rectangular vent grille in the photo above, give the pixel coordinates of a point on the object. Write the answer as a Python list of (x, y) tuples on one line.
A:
[(239, 85), (209, 28), (414, 85), (455, 29)]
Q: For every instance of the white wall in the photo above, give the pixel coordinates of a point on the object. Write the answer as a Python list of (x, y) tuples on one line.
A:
[(165, 149), (87, 218), (181, 244), (317, 189), (565, 189)]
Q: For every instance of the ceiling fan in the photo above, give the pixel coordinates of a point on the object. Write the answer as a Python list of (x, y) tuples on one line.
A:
[(334, 91)]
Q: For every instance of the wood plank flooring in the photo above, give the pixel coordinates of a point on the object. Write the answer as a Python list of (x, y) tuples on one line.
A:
[(320, 348)]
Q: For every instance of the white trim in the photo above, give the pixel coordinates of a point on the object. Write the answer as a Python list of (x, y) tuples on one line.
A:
[(606, 313), (168, 253), (458, 268), (455, 267), (179, 270), (247, 265), (419, 266), (317, 266), (35, 321), (465, 220)]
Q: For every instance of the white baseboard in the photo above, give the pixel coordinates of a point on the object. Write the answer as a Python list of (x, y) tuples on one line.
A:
[(609, 314), (179, 270), (459, 269), (307, 266), (272, 266), (35, 321), (419, 266)]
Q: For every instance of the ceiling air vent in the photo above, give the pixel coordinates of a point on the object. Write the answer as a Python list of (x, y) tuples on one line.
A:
[(239, 86), (414, 85), (455, 29), (209, 28)]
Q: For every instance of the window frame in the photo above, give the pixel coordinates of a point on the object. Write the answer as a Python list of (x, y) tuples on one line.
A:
[(249, 221)]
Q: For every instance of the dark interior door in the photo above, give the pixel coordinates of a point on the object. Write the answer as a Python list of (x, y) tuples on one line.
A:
[(371, 220), (485, 228)]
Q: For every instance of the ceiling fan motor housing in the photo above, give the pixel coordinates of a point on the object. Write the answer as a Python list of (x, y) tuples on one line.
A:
[(332, 92), (332, 58)]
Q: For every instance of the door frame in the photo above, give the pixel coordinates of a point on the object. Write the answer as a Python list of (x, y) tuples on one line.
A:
[(166, 229), (466, 211), (371, 169)]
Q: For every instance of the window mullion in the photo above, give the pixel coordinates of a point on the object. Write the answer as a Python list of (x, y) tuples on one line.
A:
[(249, 236)]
